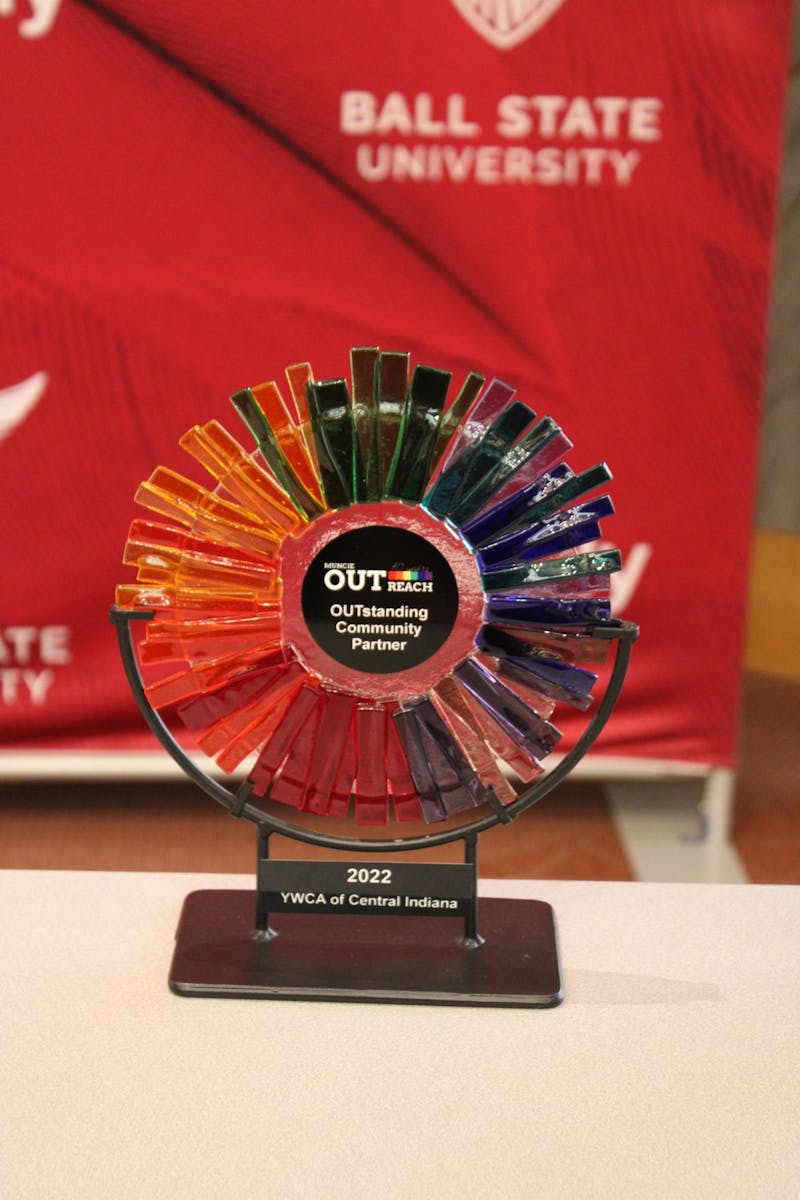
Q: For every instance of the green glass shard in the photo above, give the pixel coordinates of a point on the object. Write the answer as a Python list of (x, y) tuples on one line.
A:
[(454, 415), (335, 441), (363, 370), (392, 381), (419, 429), (254, 418)]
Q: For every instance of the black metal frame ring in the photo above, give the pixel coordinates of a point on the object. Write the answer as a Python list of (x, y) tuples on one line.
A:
[(623, 633)]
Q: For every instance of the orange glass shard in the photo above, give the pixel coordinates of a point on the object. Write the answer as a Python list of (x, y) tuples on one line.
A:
[(176, 497), (248, 483), (298, 376), (290, 439)]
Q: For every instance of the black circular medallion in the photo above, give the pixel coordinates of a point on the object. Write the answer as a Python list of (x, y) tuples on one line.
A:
[(379, 599)]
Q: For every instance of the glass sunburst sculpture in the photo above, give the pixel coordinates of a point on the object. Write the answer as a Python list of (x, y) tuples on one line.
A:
[(376, 611)]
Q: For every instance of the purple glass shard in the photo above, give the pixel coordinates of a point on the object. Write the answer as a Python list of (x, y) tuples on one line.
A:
[(530, 673), (468, 791), (410, 734), (499, 642), (540, 545), (525, 662), (546, 609), (522, 725)]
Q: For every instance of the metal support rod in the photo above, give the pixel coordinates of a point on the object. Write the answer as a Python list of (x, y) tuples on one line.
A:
[(471, 935), (262, 910)]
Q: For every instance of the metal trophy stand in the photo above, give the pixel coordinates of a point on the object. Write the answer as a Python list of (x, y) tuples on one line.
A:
[(309, 931)]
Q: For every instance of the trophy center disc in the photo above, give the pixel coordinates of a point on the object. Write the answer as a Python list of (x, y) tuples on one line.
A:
[(380, 599)]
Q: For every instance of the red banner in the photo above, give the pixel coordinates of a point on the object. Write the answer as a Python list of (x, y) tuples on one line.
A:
[(573, 195)]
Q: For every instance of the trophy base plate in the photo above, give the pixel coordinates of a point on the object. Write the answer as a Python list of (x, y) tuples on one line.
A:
[(367, 958)]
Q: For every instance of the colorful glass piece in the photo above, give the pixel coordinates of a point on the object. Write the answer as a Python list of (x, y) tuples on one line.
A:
[(338, 451), (370, 742), (363, 369), (496, 517), (519, 758), (520, 722), (392, 383), (573, 527), (281, 446), (410, 734), (570, 566), (478, 460), (495, 398), (506, 468), (371, 791), (419, 428), (336, 718), (454, 415)]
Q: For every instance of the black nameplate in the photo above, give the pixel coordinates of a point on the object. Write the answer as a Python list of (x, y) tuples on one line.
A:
[(364, 888)]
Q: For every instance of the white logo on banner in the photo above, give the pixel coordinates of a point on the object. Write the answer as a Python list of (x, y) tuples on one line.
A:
[(28, 654), (506, 23), (40, 19), (626, 581), (19, 400)]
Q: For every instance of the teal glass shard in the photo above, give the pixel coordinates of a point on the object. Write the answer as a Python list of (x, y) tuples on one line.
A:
[(507, 465), (253, 416), (419, 428), (478, 460), (363, 371), (497, 396), (392, 382), (592, 562)]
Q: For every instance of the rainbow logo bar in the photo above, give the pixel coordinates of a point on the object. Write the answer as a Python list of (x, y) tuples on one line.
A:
[(413, 576)]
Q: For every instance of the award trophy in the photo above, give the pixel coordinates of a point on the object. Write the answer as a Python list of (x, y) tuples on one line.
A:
[(371, 619)]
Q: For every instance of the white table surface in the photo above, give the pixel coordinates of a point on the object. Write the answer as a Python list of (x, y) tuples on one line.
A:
[(671, 1070)]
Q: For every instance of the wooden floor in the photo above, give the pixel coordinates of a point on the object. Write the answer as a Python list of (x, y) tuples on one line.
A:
[(569, 835)]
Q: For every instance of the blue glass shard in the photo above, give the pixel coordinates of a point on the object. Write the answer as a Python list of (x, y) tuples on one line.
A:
[(488, 525), (571, 528)]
